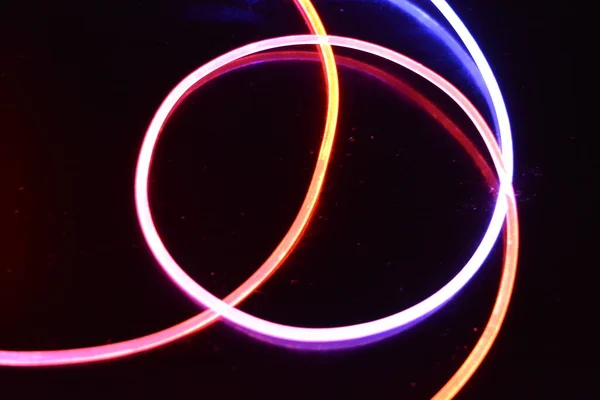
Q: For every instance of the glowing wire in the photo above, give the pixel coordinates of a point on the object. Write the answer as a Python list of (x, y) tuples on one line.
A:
[(453, 44), (291, 333), (464, 373), (133, 346), (490, 81)]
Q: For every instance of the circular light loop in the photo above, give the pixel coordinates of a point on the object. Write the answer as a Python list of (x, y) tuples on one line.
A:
[(325, 335), (299, 334)]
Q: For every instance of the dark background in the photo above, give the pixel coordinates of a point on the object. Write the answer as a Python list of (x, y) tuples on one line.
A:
[(402, 209)]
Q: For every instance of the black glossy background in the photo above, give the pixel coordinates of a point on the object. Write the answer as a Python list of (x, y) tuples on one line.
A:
[(402, 208)]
